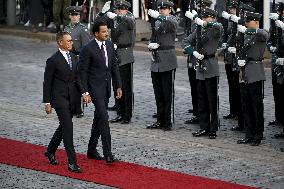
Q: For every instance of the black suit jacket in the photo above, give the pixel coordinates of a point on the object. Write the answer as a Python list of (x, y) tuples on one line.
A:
[(60, 86), (94, 75)]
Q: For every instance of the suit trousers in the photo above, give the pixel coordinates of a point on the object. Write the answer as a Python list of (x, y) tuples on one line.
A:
[(193, 90), (277, 96), (252, 96), (100, 126), (163, 90), (65, 132), (208, 104), (124, 104), (234, 89)]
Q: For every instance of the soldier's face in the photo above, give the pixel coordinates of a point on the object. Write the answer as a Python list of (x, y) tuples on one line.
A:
[(121, 11), (233, 11), (74, 17), (66, 43), (165, 11), (102, 35), (252, 24)]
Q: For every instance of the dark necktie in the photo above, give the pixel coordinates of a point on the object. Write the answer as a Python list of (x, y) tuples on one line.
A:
[(69, 60), (103, 53)]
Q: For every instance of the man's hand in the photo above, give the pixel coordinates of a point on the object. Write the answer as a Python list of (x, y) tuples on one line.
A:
[(190, 15), (232, 50), (153, 13), (48, 108), (118, 93), (198, 55), (111, 15), (242, 29), (226, 15), (106, 7), (235, 18), (274, 16), (272, 49), (279, 24), (153, 46), (241, 63), (200, 22)]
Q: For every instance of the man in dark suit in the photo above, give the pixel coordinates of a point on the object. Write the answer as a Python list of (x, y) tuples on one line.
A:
[(97, 66), (60, 91)]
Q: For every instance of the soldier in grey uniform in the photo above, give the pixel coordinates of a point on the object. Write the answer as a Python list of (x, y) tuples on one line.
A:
[(164, 62), (123, 36), (278, 69), (80, 36), (78, 31), (191, 66), (207, 75), (252, 76)]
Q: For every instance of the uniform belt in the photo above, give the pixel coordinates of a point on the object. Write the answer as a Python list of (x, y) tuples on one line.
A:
[(124, 46), (209, 56), (166, 47)]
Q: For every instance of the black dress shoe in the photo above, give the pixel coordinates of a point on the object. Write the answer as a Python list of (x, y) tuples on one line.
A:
[(190, 111), (112, 108), (168, 127), (237, 128), (229, 116), (156, 125), (51, 158), (200, 133), (274, 122), (193, 120), (154, 115), (281, 149), (80, 115), (116, 120), (244, 141), (125, 121), (74, 168), (94, 155), (110, 159), (212, 135), (255, 143), (279, 135)]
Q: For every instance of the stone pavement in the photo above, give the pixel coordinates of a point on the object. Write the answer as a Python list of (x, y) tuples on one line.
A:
[(22, 118)]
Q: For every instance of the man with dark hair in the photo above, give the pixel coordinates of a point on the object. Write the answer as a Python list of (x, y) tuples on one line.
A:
[(207, 72), (97, 66), (60, 91)]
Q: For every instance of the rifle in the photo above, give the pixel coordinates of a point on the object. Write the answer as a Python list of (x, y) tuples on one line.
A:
[(153, 34), (226, 24), (279, 69), (188, 22), (198, 41)]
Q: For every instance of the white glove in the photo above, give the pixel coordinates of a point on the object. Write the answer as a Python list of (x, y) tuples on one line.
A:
[(224, 45), (153, 13), (106, 7), (114, 46), (232, 50), (190, 15), (272, 49), (198, 55), (242, 29), (111, 15), (241, 63), (273, 16), (235, 18), (226, 15), (198, 21), (153, 46), (279, 24), (279, 61)]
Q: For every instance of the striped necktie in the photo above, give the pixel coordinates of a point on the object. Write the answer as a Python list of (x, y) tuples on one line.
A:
[(69, 60)]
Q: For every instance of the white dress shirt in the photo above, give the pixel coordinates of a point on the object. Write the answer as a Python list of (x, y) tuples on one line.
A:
[(104, 46)]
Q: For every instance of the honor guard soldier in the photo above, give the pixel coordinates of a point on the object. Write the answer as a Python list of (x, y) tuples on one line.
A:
[(277, 37), (123, 35), (252, 76), (80, 36), (164, 62), (203, 47), (191, 64), (78, 31)]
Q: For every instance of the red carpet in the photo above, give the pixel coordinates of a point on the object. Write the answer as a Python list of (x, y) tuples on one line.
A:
[(120, 174)]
